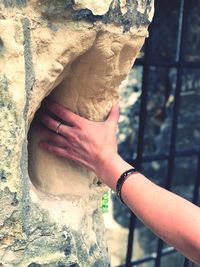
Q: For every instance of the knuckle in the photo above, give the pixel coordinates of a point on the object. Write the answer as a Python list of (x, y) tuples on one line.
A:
[(62, 114), (73, 138), (79, 125)]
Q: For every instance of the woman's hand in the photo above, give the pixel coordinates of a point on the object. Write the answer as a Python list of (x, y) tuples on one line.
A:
[(88, 143), (94, 145)]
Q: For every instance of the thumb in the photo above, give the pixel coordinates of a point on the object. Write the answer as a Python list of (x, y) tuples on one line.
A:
[(114, 114)]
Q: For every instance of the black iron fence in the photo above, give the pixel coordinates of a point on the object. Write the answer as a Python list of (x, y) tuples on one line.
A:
[(180, 63)]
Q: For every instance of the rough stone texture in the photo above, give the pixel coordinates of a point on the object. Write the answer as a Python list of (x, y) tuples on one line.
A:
[(81, 56)]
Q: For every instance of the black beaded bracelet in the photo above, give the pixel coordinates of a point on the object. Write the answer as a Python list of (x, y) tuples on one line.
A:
[(121, 181)]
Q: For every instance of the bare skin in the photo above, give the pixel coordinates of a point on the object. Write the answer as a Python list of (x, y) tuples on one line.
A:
[(94, 145)]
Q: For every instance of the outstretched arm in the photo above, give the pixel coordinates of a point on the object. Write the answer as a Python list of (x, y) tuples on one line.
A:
[(94, 145)]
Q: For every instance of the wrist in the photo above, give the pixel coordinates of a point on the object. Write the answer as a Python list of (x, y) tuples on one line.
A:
[(110, 168)]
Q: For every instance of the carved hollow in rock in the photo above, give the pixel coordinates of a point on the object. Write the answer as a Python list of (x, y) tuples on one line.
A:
[(87, 85), (79, 60)]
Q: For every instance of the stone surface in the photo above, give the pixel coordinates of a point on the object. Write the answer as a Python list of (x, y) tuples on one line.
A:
[(98, 7), (50, 213)]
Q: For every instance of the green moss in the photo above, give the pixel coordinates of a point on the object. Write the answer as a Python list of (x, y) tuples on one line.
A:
[(105, 202)]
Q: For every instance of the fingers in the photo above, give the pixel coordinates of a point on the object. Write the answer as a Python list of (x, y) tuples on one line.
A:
[(66, 137), (59, 151), (52, 137), (54, 125), (63, 113), (66, 153)]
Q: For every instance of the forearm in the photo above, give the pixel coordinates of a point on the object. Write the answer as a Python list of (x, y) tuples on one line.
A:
[(172, 218), (94, 145)]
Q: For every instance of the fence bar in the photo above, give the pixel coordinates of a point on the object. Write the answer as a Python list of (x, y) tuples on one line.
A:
[(179, 64), (186, 263), (132, 225), (152, 257), (140, 146), (172, 64), (179, 58), (197, 184), (158, 157)]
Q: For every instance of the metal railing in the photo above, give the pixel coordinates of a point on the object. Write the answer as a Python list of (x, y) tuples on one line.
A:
[(179, 64)]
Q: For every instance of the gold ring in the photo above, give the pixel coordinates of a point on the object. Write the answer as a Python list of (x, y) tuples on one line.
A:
[(57, 128)]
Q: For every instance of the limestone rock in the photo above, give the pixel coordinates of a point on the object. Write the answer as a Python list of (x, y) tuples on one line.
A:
[(50, 212), (98, 7)]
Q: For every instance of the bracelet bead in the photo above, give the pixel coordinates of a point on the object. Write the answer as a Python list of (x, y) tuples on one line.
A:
[(121, 181)]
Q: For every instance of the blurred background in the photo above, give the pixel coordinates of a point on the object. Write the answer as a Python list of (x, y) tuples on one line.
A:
[(159, 129)]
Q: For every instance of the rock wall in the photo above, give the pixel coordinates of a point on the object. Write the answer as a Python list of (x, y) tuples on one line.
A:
[(76, 52)]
